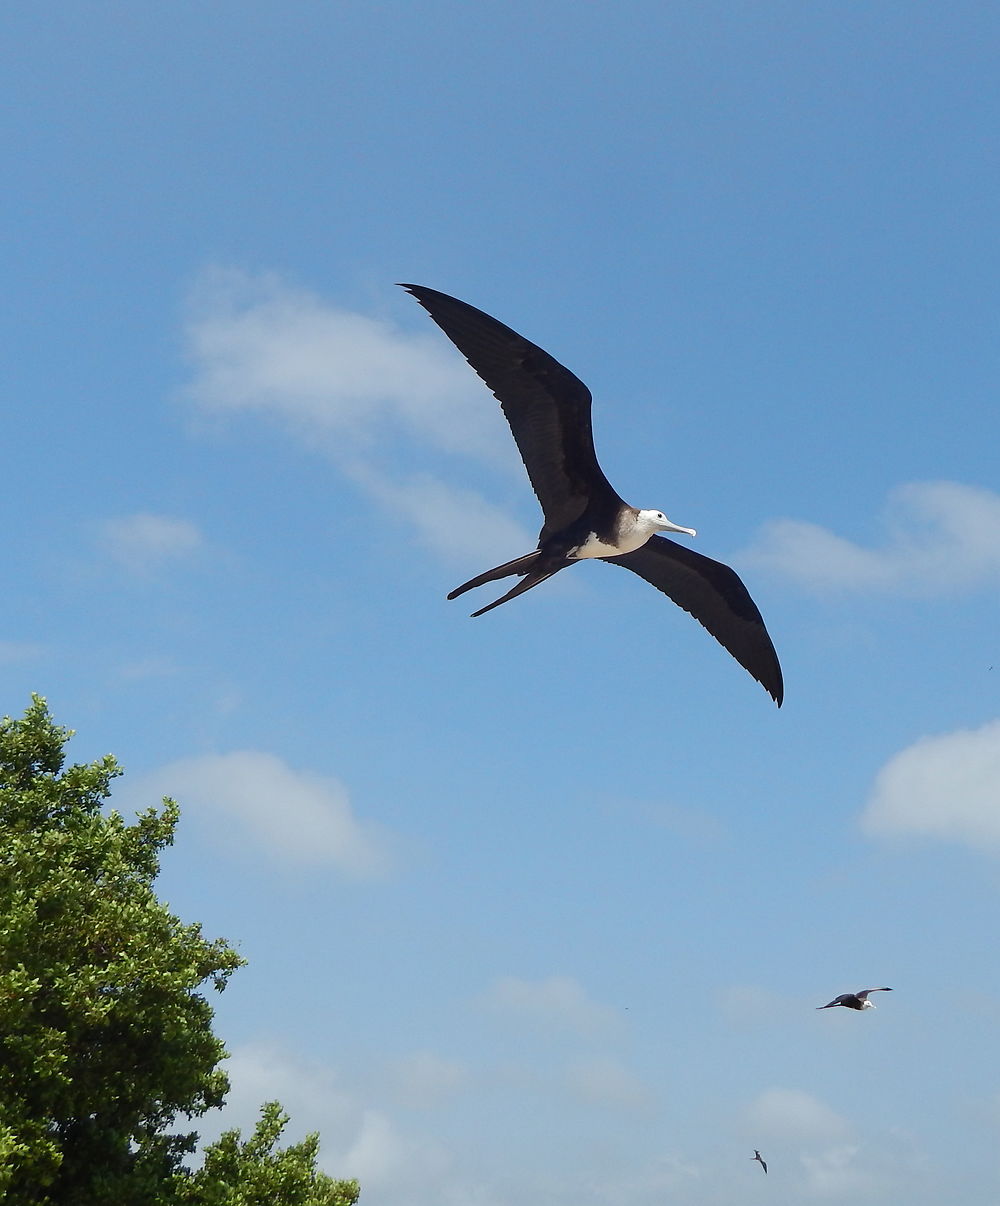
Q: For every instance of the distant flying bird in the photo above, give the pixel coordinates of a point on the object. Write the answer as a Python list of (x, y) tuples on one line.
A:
[(548, 410), (756, 1156), (854, 1000)]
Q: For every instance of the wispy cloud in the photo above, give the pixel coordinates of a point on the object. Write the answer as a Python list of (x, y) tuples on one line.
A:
[(351, 386), (257, 343), (604, 1080), (828, 1156), (690, 824), (835, 1174), (946, 786), (751, 1005), (791, 1114), (297, 816), (458, 525), (19, 651), (424, 1079), (940, 538), (359, 1140), (558, 1001), (156, 665), (666, 1177), (144, 543)]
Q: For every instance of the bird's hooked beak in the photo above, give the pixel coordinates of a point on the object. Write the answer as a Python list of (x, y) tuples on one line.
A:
[(670, 526)]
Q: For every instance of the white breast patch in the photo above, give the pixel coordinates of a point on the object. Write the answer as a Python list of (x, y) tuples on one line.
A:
[(592, 547)]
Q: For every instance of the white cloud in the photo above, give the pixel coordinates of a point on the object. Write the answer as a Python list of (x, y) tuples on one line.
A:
[(343, 382), (19, 651), (301, 817), (257, 343), (834, 1173), (144, 543), (946, 786), (940, 538), (458, 525), (384, 1157), (156, 665), (357, 1140), (691, 824), (746, 1005), (663, 1178), (424, 1079), (606, 1081), (259, 1072), (558, 1001), (791, 1114)]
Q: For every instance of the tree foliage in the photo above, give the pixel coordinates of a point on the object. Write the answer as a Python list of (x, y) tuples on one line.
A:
[(105, 1038), (255, 1174)]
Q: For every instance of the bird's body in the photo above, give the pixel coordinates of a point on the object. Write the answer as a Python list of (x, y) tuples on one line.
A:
[(757, 1156), (549, 412), (854, 1000)]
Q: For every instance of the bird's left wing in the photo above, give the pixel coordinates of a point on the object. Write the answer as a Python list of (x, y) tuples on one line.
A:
[(718, 600), (862, 996), (547, 406)]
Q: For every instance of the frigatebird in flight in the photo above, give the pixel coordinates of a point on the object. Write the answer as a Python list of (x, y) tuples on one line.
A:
[(757, 1156), (854, 1000), (549, 412)]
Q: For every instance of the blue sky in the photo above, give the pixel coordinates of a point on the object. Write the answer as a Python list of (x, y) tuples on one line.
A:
[(538, 907)]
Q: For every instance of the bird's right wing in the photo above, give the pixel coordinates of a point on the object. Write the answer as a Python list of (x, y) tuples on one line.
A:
[(547, 407), (862, 996), (715, 595)]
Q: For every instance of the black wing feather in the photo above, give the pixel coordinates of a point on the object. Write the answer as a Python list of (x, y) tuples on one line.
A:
[(716, 597), (547, 407)]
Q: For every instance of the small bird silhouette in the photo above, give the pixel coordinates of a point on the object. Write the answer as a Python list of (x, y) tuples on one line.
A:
[(757, 1156)]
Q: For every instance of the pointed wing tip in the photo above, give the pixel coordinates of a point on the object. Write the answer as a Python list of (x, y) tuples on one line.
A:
[(771, 681), (424, 293), (715, 595), (418, 292), (769, 676)]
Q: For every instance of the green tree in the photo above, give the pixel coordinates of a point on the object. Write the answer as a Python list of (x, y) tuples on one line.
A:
[(254, 1173), (104, 1037)]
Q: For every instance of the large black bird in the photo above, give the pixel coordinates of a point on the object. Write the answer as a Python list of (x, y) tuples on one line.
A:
[(854, 1000), (548, 410)]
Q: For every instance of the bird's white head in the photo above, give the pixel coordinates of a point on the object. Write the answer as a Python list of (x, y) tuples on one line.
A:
[(866, 1004), (656, 521)]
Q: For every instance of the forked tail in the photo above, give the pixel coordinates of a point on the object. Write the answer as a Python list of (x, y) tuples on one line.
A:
[(520, 565), (527, 566), (529, 581)]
